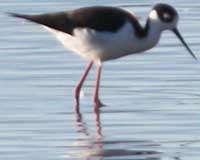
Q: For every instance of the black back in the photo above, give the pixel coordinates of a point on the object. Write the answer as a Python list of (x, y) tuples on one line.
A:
[(108, 19)]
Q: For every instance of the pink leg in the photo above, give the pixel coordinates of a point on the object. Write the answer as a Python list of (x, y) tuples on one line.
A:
[(96, 93), (78, 87)]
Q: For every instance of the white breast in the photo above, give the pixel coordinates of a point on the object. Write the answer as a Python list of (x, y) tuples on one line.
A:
[(101, 46)]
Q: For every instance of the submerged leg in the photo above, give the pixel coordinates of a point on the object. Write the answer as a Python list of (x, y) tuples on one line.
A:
[(78, 87), (96, 93)]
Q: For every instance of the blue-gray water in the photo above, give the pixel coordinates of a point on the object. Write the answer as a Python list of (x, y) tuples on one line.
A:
[(153, 99)]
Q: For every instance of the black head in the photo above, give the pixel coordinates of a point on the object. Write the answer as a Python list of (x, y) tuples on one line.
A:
[(165, 17), (166, 13)]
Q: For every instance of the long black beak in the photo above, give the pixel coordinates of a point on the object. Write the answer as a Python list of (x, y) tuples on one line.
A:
[(175, 30)]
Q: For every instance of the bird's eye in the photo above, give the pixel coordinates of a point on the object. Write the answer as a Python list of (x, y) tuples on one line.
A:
[(166, 16)]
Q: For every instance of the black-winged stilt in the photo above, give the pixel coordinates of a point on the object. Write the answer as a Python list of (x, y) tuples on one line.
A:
[(104, 33)]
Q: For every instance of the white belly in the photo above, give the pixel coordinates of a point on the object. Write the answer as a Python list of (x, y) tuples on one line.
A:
[(101, 46)]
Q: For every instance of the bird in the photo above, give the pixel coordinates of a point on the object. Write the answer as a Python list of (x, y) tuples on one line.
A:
[(103, 33)]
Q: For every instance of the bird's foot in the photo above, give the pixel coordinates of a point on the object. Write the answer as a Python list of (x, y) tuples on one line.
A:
[(98, 103)]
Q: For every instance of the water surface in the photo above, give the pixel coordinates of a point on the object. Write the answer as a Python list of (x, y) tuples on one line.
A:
[(152, 99)]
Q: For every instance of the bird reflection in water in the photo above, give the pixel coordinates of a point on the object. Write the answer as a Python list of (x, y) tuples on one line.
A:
[(92, 144), (98, 147)]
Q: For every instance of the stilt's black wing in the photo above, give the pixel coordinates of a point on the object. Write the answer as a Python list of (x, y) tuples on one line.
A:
[(108, 19), (58, 21)]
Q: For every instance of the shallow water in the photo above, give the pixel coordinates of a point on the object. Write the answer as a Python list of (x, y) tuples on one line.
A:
[(153, 105)]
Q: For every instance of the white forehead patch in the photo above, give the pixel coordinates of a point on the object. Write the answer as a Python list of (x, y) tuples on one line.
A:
[(153, 15)]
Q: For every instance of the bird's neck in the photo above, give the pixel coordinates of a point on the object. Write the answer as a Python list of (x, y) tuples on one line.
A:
[(153, 32)]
